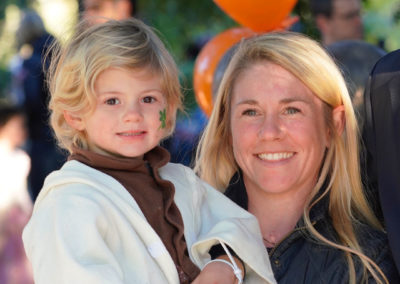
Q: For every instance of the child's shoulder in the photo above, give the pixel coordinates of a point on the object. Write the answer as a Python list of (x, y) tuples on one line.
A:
[(73, 172), (77, 179), (177, 172)]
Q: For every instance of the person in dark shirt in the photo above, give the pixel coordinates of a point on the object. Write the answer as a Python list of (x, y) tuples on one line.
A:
[(381, 136), (41, 145)]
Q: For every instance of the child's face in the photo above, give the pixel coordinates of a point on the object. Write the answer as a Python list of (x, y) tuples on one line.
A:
[(129, 118)]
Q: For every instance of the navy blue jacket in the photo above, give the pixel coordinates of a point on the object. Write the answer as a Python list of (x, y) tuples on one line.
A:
[(300, 258), (382, 139)]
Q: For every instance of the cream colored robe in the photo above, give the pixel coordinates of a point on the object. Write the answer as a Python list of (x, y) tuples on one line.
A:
[(86, 228)]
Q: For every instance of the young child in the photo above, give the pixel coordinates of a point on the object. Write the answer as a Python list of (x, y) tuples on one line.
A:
[(117, 211)]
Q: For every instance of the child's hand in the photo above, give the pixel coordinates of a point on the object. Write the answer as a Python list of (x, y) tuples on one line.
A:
[(217, 273)]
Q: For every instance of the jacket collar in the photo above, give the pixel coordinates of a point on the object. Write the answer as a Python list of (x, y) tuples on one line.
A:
[(236, 191), (155, 158)]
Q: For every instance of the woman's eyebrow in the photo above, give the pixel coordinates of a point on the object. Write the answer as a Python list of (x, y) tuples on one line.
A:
[(295, 99), (283, 101), (247, 102)]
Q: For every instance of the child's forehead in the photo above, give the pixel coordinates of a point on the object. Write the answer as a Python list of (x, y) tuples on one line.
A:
[(146, 72), (112, 75)]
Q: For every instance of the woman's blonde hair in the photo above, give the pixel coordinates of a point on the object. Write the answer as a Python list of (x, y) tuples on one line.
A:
[(309, 62), (75, 66)]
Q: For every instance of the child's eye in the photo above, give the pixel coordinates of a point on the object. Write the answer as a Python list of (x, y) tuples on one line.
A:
[(249, 112), (148, 100), (112, 101), (292, 110)]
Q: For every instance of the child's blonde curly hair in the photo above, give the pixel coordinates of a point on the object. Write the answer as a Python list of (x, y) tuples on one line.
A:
[(76, 65)]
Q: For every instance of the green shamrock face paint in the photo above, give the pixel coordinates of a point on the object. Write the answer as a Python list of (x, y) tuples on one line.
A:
[(163, 118)]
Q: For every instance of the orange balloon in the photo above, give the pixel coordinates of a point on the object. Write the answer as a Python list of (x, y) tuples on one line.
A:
[(207, 61), (258, 15)]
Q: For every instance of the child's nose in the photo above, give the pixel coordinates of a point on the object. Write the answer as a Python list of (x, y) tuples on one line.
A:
[(133, 113)]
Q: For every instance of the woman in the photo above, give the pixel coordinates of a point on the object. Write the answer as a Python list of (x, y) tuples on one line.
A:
[(282, 140)]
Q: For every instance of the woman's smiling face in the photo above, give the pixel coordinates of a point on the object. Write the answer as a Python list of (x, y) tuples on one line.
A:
[(279, 132)]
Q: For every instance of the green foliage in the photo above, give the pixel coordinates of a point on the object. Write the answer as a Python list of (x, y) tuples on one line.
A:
[(382, 23), (6, 43), (5, 78), (181, 22), (308, 27), (5, 3)]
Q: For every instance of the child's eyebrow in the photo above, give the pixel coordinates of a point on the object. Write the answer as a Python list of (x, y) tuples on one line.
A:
[(153, 90), (111, 92)]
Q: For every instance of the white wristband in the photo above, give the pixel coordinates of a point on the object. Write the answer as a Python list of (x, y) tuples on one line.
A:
[(236, 270)]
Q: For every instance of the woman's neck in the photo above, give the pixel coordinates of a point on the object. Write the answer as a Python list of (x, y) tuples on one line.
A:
[(277, 214)]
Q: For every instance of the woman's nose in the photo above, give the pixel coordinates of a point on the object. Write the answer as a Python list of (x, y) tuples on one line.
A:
[(271, 128)]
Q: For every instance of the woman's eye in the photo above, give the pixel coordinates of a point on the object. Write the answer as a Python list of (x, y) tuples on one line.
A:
[(148, 100), (249, 112), (112, 101), (292, 110)]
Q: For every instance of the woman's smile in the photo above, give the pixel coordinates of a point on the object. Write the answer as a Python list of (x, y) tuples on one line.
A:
[(278, 156)]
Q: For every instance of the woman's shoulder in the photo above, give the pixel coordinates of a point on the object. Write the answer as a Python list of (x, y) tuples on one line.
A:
[(375, 245), (372, 240)]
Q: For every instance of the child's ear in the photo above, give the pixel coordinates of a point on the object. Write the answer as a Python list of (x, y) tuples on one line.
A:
[(74, 120)]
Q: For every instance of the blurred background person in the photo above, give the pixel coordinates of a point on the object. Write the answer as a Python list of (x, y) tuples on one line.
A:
[(337, 19), (97, 11), (33, 40), (14, 162), (189, 125), (356, 58), (15, 203)]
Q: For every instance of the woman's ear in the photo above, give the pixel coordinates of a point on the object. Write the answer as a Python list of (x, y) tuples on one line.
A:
[(74, 120), (339, 119)]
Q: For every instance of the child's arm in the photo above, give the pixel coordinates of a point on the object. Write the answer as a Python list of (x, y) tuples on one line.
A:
[(211, 218), (64, 241), (221, 220)]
